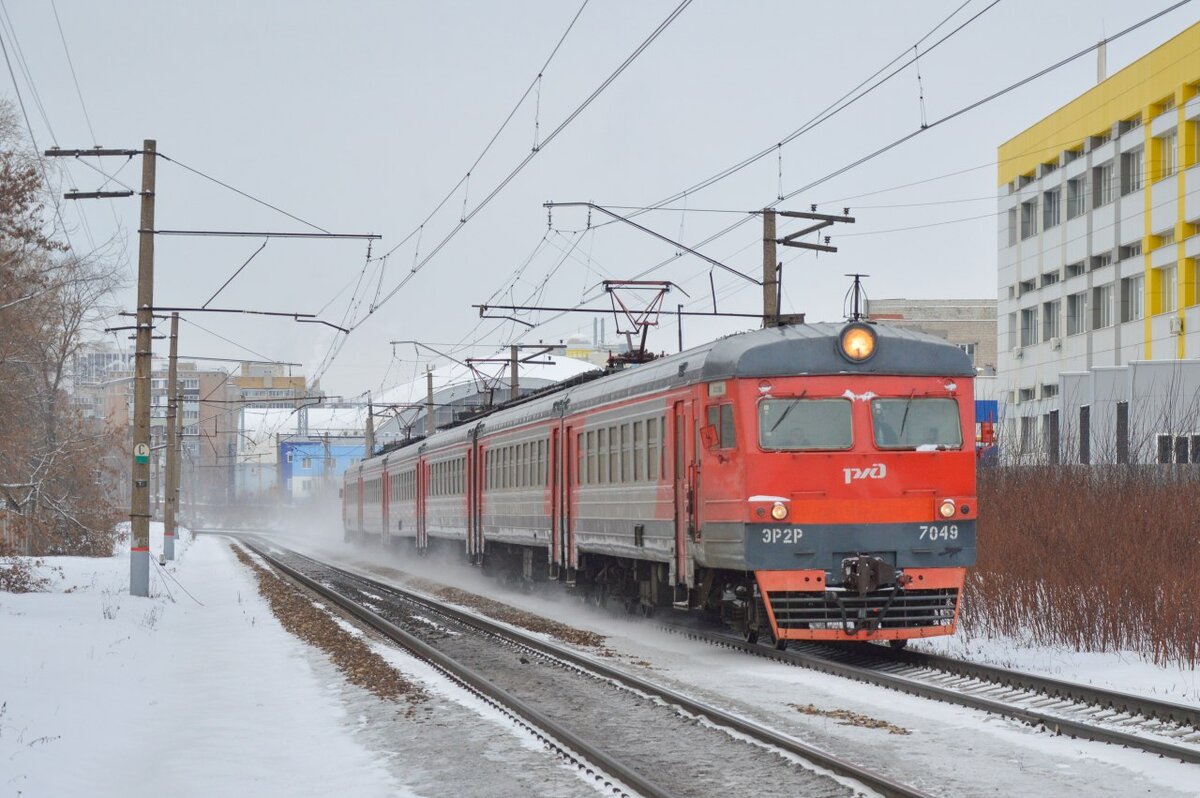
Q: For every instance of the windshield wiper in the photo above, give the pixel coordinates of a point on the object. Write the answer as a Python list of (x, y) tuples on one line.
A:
[(904, 418), (784, 415)]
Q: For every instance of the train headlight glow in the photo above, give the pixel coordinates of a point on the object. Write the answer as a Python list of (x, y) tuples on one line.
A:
[(779, 511), (857, 342), (946, 509)]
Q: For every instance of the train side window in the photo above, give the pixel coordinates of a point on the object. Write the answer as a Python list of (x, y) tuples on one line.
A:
[(602, 455), (720, 418), (614, 456), (804, 424), (627, 452), (652, 449), (591, 458), (639, 451)]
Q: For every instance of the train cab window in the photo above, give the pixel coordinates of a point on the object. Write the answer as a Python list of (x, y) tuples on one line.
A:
[(804, 424), (720, 418), (923, 424)]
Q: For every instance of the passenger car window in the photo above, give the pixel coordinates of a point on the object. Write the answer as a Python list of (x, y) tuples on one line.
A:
[(916, 424), (804, 424)]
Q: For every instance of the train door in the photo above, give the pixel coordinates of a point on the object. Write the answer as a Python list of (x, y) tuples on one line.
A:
[(422, 483), (480, 480), (567, 499), (475, 464), (385, 490), (684, 505), (556, 502), (359, 503)]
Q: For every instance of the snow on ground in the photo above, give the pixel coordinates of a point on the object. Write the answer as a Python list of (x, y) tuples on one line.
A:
[(949, 751), (195, 691), (1124, 671)]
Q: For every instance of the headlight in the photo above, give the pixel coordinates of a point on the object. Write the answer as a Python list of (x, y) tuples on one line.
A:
[(779, 511), (946, 509), (857, 342)]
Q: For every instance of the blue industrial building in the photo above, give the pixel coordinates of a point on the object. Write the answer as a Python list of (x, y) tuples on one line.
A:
[(308, 467)]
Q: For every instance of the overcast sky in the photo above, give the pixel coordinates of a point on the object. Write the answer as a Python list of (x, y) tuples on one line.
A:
[(359, 117)]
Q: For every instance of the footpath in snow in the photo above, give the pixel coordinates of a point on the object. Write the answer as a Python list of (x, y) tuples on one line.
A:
[(195, 691)]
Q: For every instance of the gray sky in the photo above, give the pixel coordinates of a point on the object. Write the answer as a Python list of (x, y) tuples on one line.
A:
[(360, 117)]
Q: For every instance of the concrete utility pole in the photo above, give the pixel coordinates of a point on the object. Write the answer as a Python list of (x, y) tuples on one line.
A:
[(770, 278), (174, 487), (173, 413), (514, 389), (430, 422), (139, 510), (370, 429)]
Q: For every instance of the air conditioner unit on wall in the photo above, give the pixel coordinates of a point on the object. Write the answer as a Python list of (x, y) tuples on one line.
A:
[(1176, 326), (1056, 343)]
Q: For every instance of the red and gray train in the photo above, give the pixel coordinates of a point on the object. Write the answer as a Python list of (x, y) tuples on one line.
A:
[(807, 482)]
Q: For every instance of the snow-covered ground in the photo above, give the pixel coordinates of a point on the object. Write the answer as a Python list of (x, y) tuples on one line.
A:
[(948, 751), (199, 691)]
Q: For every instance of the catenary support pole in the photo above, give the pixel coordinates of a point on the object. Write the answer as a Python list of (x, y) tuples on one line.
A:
[(173, 412), (770, 274), (430, 421), (139, 510), (514, 389)]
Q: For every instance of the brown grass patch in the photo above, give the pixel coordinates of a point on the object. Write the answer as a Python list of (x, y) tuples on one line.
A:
[(847, 718), (1094, 559), (351, 654)]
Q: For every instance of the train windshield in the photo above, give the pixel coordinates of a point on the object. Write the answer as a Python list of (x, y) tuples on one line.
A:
[(804, 424), (921, 424)]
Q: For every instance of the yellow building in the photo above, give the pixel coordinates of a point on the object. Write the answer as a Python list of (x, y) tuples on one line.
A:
[(1099, 207)]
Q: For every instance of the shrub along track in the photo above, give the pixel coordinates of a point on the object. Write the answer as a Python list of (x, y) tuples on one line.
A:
[(648, 739)]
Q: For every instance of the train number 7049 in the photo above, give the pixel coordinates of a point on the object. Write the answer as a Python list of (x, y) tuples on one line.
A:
[(939, 532)]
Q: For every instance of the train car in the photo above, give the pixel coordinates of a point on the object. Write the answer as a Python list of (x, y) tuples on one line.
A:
[(803, 482)]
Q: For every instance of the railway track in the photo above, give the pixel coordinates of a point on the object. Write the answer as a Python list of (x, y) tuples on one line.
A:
[(602, 727), (1083, 711)]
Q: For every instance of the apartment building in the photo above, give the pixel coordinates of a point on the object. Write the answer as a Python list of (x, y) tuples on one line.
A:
[(1099, 210)]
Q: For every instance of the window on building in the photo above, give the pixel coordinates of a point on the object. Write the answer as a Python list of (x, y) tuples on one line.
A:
[(1050, 208), (1130, 250), (1102, 184), (1071, 155), (1051, 311), (1012, 331), (1168, 296), (970, 350), (1049, 390), (1049, 278), (1102, 306), (1166, 238), (1168, 154), (1131, 171), (1101, 260), (1012, 226), (1076, 197), (1027, 394), (1074, 269), (1077, 313), (1027, 286), (1126, 125), (306, 462), (1029, 218), (1029, 326), (1132, 298)]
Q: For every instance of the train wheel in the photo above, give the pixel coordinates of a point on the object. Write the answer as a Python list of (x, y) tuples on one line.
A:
[(781, 644), (751, 636)]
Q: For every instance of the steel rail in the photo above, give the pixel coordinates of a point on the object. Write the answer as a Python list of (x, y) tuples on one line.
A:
[(914, 686), (841, 767), (475, 682)]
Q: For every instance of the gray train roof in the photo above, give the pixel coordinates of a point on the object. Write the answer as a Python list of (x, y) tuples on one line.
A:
[(802, 349), (813, 349)]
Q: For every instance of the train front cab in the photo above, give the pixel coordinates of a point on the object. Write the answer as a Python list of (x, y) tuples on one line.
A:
[(860, 506)]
